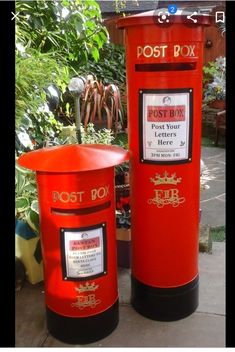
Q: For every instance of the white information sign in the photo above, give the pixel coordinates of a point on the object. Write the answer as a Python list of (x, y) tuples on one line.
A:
[(83, 253), (166, 126)]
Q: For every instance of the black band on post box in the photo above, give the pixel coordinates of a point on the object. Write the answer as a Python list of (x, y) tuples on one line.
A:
[(83, 330), (165, 304)]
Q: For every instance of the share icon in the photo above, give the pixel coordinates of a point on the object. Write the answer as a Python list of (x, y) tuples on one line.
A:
[(189, 17)]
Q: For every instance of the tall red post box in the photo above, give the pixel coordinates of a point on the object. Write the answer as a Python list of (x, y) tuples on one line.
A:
[(78, 238), (164, 58)]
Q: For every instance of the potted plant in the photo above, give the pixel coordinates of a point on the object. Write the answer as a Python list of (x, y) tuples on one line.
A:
[(214, 90), (27, 239), (101, 105)]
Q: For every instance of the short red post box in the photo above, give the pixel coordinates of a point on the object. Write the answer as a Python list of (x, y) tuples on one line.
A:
[(164, 57), (77, 224)]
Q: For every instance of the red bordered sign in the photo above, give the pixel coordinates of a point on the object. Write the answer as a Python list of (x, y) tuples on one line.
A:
[(83, 252), (165, 125)]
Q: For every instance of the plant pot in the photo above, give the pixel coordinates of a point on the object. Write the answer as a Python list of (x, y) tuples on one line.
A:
[(26, 242), (218, 104)]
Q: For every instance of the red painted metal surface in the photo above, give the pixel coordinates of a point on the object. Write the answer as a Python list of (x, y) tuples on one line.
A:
[(164, 192), (77, 224), (73, 158)]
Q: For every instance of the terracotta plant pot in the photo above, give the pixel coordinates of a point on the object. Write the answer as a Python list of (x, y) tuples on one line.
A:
[(218, 104)]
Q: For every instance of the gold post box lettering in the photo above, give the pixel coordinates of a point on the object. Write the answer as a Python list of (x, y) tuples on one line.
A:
[(161, 51)]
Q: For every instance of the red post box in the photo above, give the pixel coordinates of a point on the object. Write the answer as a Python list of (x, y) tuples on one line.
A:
[(164, 57), (77, 224)]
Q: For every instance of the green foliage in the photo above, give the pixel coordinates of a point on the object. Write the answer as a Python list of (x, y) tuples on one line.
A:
[(72, 28), (120, 5), (109, 70), (111, 67), (90, 136), (25, 184), (207, 142), (218, 233), (121, 139), (67, 135), (34, 72), (51, 36), (45, 127), (214, 80), (209, 71), (26, 205), (122, 168)]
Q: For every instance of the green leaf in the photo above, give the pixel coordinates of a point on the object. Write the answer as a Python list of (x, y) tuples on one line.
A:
[(103, 36), (20, 182), (30, 188), (32, 219), (22, 170), (90, 24), (22, 204), (95, 53), (67, 106), (79, 27), (65, 3), (98, 40)]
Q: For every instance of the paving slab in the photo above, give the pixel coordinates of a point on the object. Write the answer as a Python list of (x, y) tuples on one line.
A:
[(212, 152), (134, 330), (212, 280), (30, 323), (212, 199), (204, 328), (213, 213)]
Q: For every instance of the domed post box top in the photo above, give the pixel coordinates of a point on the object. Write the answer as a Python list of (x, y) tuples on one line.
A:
[(73, 158)]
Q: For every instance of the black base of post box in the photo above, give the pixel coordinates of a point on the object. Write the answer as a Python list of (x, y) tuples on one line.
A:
[(83, 330), (165, 304)]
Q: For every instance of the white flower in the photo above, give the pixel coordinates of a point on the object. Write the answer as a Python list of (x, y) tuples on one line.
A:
[(25, 140), (221, 62), (20, 47)]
